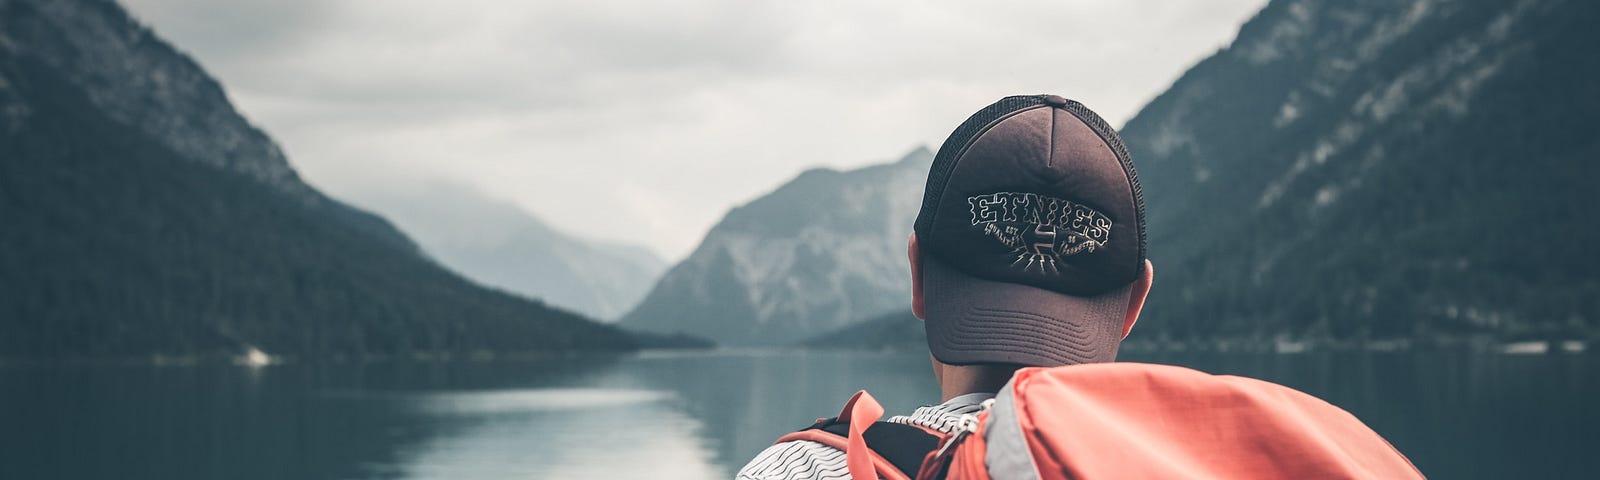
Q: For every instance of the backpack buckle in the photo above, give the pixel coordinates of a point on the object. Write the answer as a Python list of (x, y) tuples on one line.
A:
[(967, 425)]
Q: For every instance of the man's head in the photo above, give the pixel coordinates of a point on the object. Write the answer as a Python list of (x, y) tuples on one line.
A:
[(1029, 249)]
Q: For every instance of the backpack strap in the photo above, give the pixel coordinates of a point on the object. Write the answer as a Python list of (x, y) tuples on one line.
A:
[(890, 450), (903, 446)]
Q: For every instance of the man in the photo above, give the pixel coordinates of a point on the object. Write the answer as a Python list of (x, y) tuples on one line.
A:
[(1029, 251)]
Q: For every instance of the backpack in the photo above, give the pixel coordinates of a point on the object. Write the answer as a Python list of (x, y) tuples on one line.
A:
[(1119, 420)]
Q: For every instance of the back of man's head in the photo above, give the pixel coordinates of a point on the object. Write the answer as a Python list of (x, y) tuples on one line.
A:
[(1031, 238)]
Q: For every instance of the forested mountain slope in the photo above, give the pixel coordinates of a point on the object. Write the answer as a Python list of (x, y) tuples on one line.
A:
[(1379, 169), (140, 214)]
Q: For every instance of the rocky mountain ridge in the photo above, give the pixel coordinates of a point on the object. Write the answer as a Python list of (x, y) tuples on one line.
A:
[(822, 251)]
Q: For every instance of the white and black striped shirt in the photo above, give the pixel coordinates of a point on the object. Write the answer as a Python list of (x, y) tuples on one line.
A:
[(806, 460)]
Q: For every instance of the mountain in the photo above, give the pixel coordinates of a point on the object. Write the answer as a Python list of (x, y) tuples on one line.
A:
[(1349, 172), (1379, 170), (142, 215), (499, 244), (822, 251)]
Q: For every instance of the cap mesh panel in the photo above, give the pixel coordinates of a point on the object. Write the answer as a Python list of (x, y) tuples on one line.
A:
[(1104, 130)]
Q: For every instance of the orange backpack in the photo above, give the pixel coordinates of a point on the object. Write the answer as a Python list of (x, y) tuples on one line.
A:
[(1120, 420)]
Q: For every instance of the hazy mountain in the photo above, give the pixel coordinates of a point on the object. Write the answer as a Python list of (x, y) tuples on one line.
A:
[(499, 244), (1379, 169), (822, 251), (143, 215)]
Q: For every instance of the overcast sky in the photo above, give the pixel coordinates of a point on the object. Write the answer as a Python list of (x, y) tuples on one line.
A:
[(645, 121)]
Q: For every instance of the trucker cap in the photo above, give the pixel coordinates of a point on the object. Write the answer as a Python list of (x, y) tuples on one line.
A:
[(1031, 233)]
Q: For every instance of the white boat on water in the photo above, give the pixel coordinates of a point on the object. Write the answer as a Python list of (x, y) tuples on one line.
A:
[(1536, 347)]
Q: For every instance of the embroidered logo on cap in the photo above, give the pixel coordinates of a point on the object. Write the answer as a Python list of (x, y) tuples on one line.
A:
[(1040, 230)]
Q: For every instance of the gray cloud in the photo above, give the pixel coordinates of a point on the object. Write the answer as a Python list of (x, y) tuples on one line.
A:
[(644, 121)]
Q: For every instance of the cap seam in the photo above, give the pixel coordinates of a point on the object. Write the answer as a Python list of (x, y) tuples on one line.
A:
[(968, 145), (1050, 150)]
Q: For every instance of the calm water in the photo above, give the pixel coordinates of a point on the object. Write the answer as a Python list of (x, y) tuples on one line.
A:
[(1457, 415)]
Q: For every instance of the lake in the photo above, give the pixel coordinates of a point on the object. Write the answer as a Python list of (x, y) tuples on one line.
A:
[(691, 415)]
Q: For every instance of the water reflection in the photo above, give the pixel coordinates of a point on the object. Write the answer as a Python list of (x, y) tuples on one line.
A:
[(557, 433), (746, 399), (1456, 414)]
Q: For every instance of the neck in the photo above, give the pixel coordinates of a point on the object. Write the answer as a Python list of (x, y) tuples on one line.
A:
[(958, 380)]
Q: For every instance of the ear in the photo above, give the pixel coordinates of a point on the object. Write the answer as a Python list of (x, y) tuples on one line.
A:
[(915, 256), (1141, 289)]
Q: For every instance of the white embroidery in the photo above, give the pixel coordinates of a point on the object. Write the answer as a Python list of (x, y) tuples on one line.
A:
[(1040, 230)]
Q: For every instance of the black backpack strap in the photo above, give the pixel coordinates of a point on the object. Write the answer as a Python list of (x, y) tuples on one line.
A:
[(904, 446)]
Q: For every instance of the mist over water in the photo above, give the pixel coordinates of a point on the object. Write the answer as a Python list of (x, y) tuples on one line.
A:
[(689, 416)]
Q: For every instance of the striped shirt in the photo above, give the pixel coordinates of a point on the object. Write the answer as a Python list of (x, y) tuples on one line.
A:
[(806, 460)]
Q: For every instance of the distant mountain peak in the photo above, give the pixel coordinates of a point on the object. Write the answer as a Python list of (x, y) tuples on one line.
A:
[(920, 154), (502, 245), (821, 251)]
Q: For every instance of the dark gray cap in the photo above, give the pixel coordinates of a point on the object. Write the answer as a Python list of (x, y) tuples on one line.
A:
[(1032, 232)]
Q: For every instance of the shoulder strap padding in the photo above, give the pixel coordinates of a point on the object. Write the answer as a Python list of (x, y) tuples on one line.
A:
[(903, 446)]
